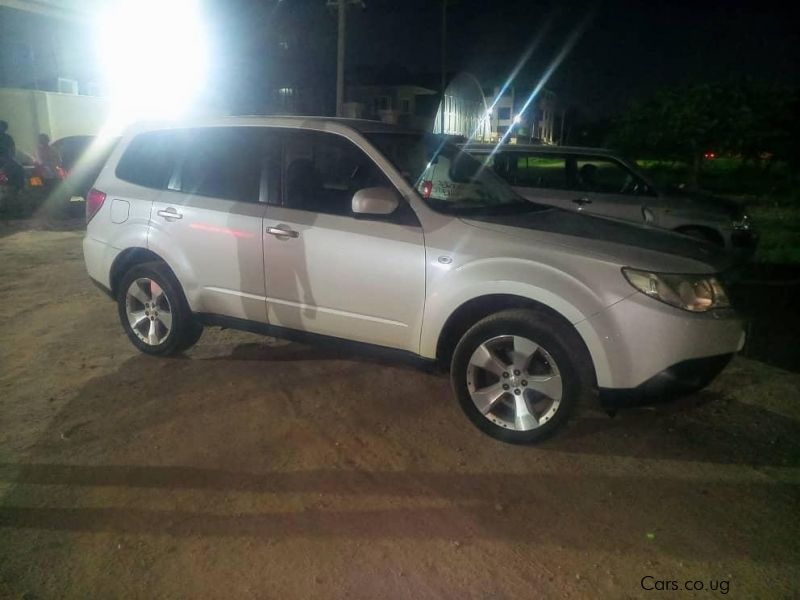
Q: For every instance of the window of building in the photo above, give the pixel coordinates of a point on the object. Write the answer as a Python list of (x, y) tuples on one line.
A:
[(405, 106), (504, 113), (223, 162), (323, 171), (287, 99)]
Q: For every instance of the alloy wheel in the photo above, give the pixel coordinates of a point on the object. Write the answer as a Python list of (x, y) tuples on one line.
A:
[(148, 310), (514, 382)]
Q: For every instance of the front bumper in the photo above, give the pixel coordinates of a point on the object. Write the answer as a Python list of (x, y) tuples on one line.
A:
[(673, 382), (638, 338)]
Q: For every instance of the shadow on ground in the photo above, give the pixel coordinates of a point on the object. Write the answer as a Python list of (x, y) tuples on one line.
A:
[(285, 420)]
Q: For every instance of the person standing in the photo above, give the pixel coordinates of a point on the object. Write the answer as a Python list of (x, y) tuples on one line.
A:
[(7, 146), (47, 158), (12, 176)]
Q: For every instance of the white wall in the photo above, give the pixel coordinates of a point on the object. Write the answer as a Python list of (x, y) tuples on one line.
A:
[(31, 112)]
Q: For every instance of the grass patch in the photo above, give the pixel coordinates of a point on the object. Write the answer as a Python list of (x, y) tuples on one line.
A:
[(779, 228)]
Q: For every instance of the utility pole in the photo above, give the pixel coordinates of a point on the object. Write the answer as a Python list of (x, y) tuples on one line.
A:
[(444, 62), (341, 9), (340, 58)]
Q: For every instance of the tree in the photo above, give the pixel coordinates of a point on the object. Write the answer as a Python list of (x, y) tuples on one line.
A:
[(683, 123)]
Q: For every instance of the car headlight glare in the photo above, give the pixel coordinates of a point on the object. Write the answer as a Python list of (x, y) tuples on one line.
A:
[(695, 293)]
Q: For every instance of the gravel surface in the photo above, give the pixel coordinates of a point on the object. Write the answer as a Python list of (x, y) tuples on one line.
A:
[(252, 467)]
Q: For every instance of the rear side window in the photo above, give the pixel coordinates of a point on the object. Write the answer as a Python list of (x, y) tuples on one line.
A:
[(149, 159), (223, 162), (532, 170)]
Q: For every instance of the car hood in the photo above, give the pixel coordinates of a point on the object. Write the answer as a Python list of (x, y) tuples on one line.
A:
[(618, 241)]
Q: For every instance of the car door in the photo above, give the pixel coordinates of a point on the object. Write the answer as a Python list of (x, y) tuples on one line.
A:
[(332, 273), (208, 223), (605, 187)]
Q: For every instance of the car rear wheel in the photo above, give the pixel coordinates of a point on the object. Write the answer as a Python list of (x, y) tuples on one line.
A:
[(518, 374), (154, 311)]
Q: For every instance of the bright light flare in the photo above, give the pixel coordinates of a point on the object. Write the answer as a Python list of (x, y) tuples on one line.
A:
[(154, 57), (570, 42), (526, 55)]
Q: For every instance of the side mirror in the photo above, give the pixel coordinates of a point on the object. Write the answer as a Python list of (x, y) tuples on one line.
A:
[(375, 201)]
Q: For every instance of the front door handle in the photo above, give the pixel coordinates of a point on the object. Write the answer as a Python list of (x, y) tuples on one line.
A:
[(281, 232), (170, 214), (581, 202)]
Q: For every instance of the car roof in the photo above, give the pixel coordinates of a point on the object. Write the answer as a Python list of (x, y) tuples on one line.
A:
[(293, 122), (539, 149)]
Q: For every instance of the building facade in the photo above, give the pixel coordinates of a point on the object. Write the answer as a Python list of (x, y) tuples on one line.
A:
[(495, 114), (536, 123), (464, 112), (407, 105), (47, 46)]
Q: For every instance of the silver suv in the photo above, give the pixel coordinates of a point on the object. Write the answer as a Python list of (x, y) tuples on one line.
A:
[(361, 232), (601, 182)]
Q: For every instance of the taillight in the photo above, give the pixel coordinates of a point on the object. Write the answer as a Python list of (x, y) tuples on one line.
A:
[(94, 200), (427, 188)]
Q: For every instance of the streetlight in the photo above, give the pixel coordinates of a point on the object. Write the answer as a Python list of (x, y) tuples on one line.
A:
[(154, 58)]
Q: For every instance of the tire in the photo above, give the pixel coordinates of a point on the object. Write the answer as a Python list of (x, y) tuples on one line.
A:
[(154, 312), (554, 374)]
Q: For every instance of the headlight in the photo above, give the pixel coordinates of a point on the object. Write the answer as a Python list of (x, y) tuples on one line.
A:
[(695, 293)]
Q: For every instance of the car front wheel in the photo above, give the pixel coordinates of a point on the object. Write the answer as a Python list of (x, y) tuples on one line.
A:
[(518, 374)]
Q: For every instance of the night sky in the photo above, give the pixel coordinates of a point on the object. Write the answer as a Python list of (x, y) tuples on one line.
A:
[(627, 49)]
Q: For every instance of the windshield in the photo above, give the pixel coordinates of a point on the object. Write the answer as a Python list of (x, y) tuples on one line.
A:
[(448, 180)]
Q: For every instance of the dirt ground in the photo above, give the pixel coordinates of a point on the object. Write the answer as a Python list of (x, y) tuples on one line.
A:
[(254, 468)]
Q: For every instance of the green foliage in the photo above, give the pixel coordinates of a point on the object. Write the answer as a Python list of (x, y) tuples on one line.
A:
[(780, 231), (741, 119), (728, 176)]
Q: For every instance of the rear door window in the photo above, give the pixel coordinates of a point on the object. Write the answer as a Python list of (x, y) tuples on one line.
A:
[(523, 169), (222, 162), (149, 159)]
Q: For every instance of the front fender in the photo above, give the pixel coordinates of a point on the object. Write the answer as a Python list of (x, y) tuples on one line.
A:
[(564, 294)]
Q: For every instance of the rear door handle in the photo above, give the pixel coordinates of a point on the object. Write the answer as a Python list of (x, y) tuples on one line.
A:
[(170, 214), (281, 232)]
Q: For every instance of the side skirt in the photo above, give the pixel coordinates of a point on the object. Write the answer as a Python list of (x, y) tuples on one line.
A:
[(381, 353)]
